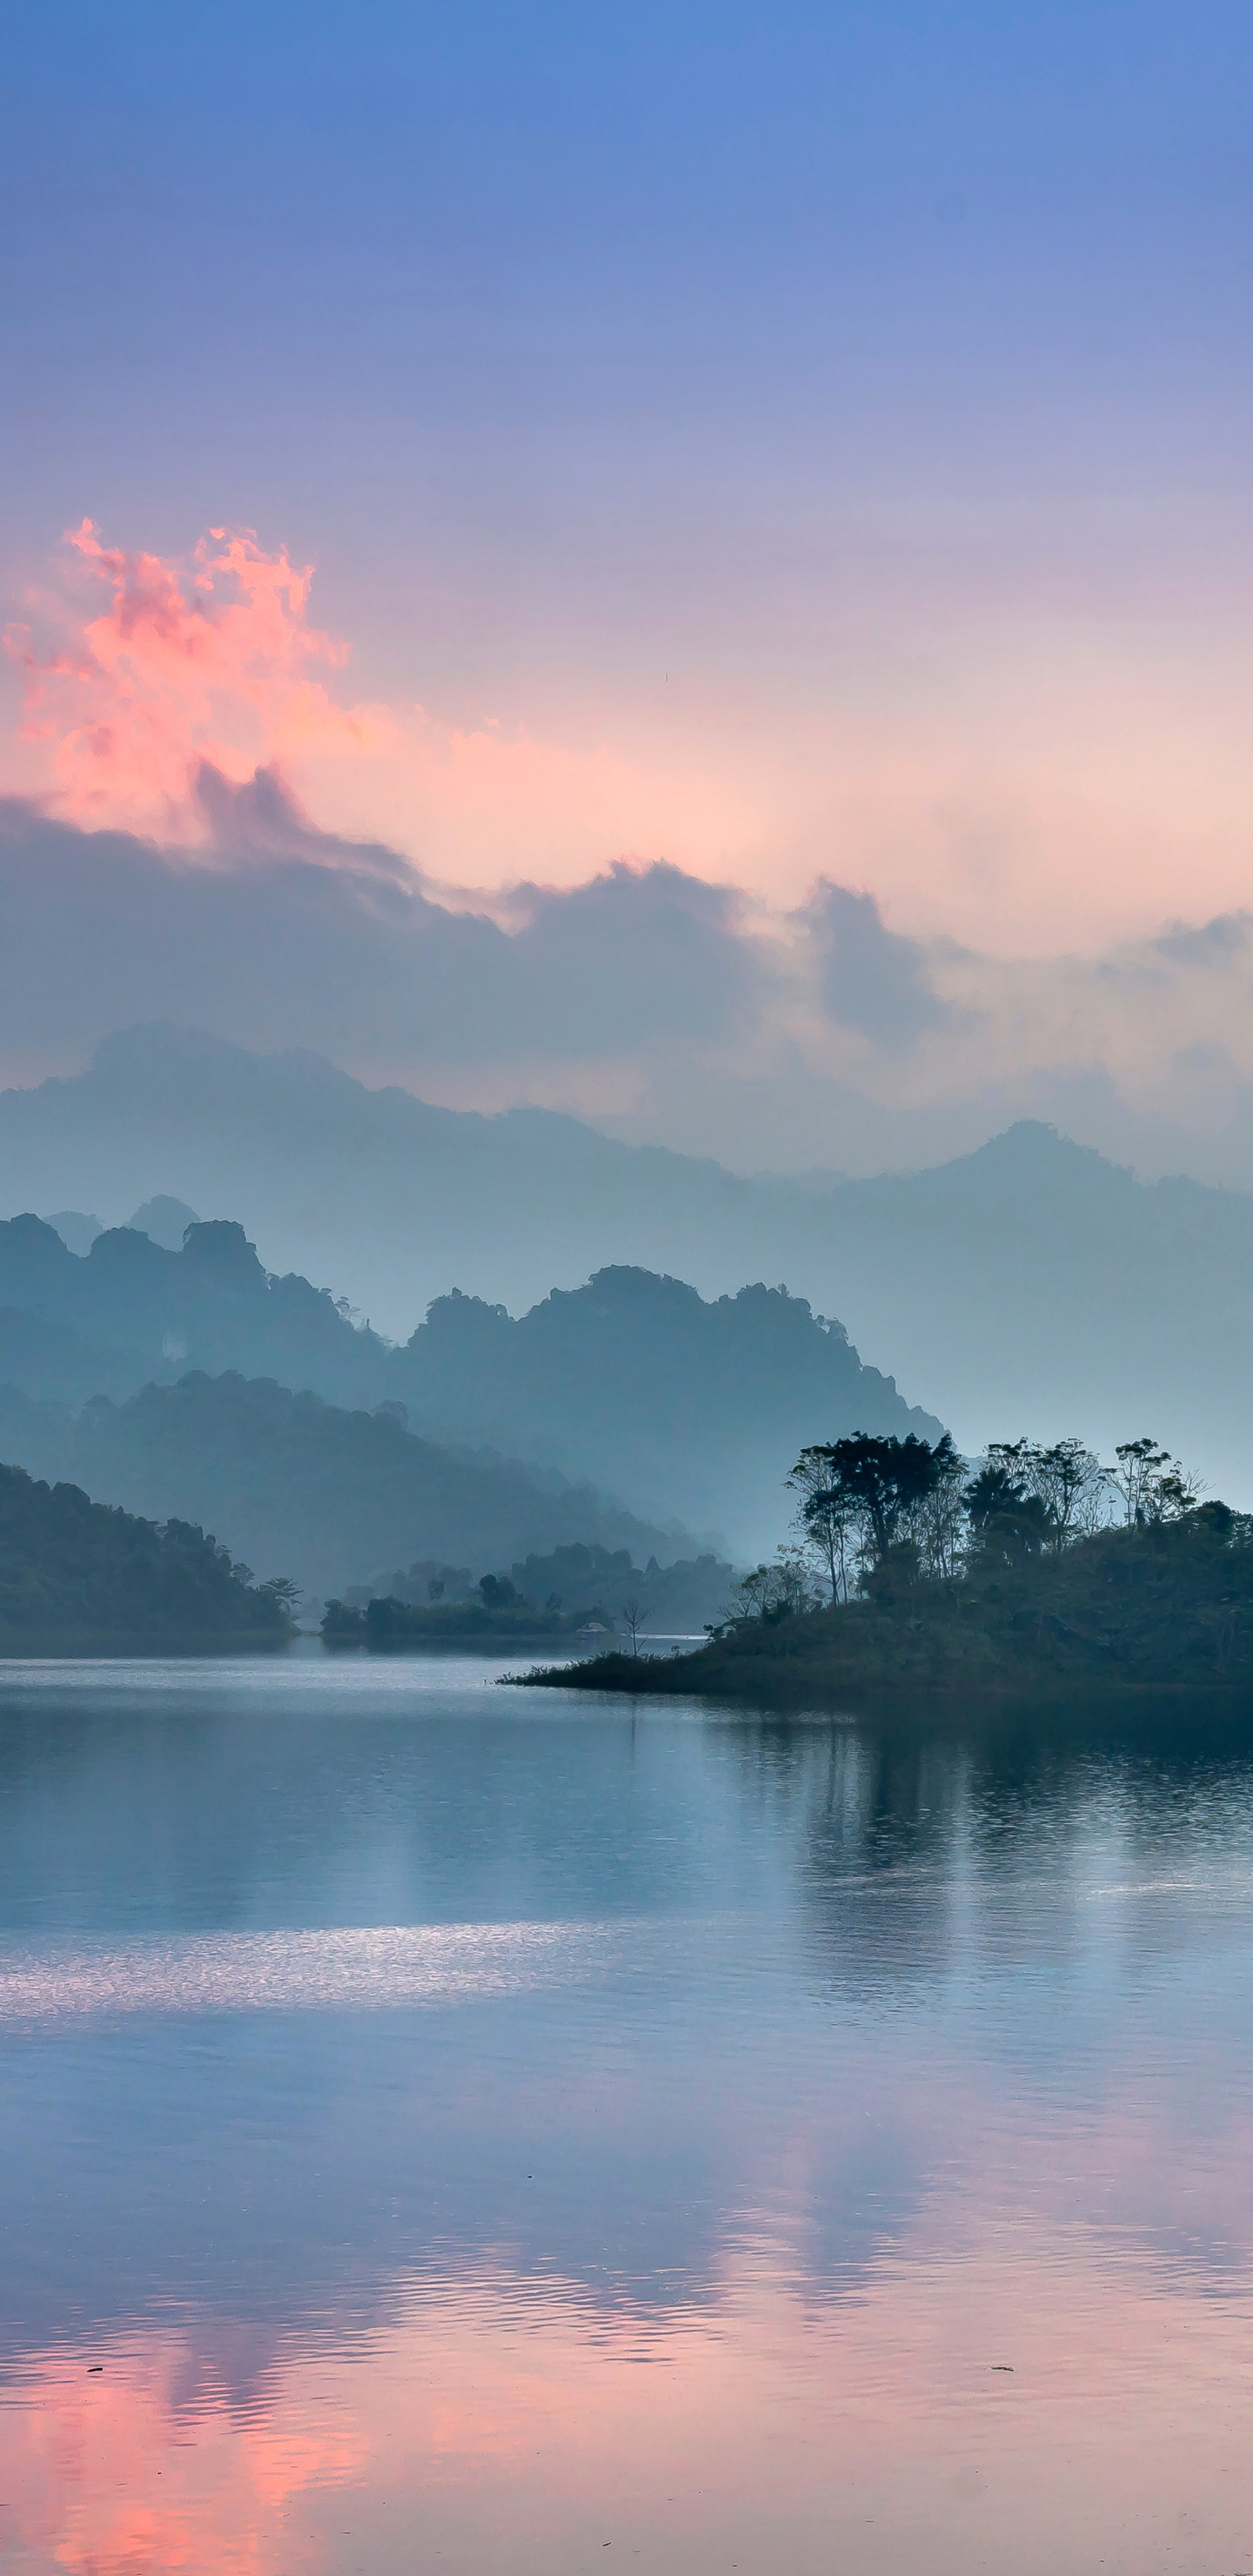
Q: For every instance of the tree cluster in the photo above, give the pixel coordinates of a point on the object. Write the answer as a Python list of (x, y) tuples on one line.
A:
[(873, 1512)]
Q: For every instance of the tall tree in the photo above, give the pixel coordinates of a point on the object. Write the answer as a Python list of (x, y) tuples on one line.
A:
[(635, 1614), (1152, 1484), (1071, 1483), (880, 1482), (828, 1517)]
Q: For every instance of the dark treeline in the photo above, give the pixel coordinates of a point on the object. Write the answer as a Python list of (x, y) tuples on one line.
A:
[(864, 1503)]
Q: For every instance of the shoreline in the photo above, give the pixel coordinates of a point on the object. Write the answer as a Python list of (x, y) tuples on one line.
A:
[(768, 1684)]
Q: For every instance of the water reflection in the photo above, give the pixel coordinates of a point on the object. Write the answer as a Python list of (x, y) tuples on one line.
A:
[(438, 2127)]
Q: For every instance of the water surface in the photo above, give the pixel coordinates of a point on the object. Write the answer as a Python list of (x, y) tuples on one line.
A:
[(453, 2128)]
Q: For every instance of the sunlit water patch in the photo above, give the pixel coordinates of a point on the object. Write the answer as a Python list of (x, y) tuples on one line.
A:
[(298, 1971)]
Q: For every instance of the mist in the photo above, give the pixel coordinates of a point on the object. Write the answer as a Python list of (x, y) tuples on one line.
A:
[(214, 1032), (658, 1007)]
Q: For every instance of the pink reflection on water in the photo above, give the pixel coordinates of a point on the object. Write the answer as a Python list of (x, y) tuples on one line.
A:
[(494, 2426)]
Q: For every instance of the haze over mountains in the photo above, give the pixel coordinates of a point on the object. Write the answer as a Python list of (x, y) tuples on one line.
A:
[(305, 1489), (688, 1413), (1030, 1284)]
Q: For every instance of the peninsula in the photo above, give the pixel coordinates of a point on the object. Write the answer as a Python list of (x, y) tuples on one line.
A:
[(1016, 1601)]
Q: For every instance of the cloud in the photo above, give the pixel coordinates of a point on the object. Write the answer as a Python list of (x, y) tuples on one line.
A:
[(975, 796), (1214, 944), (637, 955), (173, 872), (288, 938), (149, 681), (179, 665), (666, 1008), (870, 978)]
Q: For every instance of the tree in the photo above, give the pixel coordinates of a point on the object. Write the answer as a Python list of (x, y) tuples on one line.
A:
[(827, 1516), (1009, 1519), (881, 1481), (1071, 1483), (1007, 1535), (280, 1588), (779, 1590), (634, 1613), (1152, 1484), (936, 1524), (1000, 1489), (1026, 1497)]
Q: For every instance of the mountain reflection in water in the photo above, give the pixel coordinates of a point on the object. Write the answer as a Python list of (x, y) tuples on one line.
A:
[(441, 2128)]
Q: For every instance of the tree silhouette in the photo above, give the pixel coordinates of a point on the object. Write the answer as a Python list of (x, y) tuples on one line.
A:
[(634, 1613), (877, 1481)]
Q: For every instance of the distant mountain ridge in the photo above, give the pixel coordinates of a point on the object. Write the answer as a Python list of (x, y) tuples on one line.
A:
[(390, 1197), (1030, 1284), (129, 1310), (306, 1489), (690, 1413), (702, 1406)]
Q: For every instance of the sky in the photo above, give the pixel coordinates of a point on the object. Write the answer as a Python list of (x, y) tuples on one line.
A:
[(794, 450)]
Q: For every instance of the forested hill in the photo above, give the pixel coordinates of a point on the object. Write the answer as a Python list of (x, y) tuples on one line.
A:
[(74, 1572), (687, 1405), (308, 1489), (687, 1410), (131, 1311)]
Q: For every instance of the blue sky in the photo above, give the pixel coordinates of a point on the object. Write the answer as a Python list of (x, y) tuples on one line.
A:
[(849, 405)]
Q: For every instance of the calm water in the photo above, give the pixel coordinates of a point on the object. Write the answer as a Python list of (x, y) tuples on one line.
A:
[(453, 2129)]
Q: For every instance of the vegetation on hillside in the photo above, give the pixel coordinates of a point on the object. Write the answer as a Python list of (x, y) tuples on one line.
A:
[(691, 1406), (77, 1572), (130, 1311), (1040, 1570)]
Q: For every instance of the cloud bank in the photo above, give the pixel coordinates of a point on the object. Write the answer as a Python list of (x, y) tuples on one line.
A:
[(145, 678), (170, 871), (661, 1006), (1015, 805)]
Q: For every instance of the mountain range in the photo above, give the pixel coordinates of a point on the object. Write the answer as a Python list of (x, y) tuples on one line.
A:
[(1029, 1285), (689, 1412), (305, 1489)]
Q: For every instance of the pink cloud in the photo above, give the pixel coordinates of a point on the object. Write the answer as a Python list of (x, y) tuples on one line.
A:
[(1018, 784), (182, 665)]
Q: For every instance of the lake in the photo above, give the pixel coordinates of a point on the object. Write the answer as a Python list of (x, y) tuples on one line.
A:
[(447, 2128)]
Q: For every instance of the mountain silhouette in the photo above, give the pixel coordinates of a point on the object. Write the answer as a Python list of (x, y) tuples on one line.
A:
[(1031, 1284), (310, 1490), (690, 1412)]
